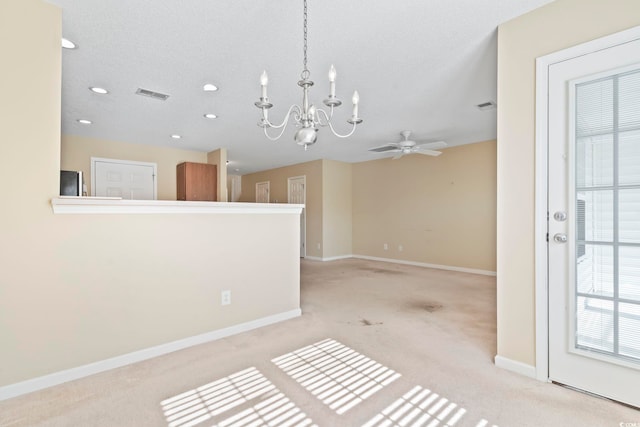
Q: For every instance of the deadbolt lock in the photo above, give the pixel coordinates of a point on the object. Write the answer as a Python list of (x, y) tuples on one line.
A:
[(560, 216)]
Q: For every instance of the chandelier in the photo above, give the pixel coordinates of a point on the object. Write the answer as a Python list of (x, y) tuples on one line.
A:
[(307, 117)]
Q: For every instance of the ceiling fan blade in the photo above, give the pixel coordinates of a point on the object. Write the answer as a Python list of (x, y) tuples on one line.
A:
[(385, 148), (428, 152), (432, 145)]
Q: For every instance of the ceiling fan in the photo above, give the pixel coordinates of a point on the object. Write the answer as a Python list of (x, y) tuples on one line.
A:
[(407, 146)]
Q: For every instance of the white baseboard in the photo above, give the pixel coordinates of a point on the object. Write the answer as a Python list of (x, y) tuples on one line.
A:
[(423, 264), (60, 377), (333, 258), (515, 366)]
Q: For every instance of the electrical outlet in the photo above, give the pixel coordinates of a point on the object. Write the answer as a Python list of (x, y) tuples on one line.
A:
[(225, 298), (400, 248), (318, 246), (385, 246)]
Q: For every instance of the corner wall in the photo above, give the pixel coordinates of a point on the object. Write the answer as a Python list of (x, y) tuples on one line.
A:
[(556, 26), (219, 158), (337, 213), (279, 194)]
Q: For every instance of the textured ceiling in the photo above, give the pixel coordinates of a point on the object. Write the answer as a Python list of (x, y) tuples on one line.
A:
[(420, 65)]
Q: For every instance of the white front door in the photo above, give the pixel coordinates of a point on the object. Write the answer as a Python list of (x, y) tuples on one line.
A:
[(594, 222), (298, 195), (262, 192), (125, 179)]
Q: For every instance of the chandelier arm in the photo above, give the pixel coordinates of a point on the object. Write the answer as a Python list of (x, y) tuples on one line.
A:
[(327, 117), (353, 129), (328, 123), (331, 113), (274, 138), (294, 109)]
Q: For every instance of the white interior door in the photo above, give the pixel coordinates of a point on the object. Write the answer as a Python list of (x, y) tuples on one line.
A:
[(594, 222), (297, 194), (235, 187), (262, 192), (125, 179)]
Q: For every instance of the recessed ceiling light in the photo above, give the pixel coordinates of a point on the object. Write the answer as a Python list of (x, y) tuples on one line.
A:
[(209, 87), (210, 116), (99, 90), (176, 136), (68, 44), (84, 121)]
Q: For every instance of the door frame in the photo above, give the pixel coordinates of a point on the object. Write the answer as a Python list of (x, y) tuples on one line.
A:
[(303, 236), (541, 210), (95, 160)]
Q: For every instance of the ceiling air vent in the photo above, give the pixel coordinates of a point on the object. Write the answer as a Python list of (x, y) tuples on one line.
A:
[(152, 94), (489, 105)]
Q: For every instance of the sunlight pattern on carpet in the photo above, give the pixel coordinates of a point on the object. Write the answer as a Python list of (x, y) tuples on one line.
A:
[(421, 407), (243, 399), (334, 373)]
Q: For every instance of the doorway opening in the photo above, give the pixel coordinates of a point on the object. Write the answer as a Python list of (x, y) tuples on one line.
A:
[(297, 193)]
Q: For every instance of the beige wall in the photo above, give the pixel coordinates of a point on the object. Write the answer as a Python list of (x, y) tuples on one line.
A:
[(30, 113), (219, 158), (336, 209), (441, 210), (77, 151), (561, 24), (279, 193), (76, 289)]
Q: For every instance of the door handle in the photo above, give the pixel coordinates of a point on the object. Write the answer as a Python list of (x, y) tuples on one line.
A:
[(560, 238)]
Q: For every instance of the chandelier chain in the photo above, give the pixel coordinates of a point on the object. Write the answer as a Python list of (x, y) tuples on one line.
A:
[(305, 72)]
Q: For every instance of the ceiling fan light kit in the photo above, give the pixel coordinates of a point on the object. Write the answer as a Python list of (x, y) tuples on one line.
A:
[(307, 117)]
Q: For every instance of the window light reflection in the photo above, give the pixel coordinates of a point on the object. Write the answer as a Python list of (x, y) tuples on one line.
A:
[(421, 407), (245, 398), (334, 373)]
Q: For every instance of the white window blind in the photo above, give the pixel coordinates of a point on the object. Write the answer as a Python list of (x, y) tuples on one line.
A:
[(608, 222)]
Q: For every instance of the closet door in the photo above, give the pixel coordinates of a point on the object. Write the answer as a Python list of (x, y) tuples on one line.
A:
[(125, 179)]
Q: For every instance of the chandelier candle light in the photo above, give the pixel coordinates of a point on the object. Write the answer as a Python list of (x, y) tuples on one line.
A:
[(308, 118)]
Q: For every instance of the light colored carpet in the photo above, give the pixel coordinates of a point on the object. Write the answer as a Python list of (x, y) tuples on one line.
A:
[(378, 344)]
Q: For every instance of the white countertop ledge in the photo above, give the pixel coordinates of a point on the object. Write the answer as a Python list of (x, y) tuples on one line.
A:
[(110, 205)]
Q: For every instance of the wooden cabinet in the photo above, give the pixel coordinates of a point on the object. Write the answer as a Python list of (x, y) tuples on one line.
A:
[(197, 181)]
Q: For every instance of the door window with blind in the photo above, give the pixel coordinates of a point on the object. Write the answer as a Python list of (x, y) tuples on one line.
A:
[(607, 207)]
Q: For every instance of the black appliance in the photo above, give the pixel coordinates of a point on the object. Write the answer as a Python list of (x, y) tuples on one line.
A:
[(71, 183)]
